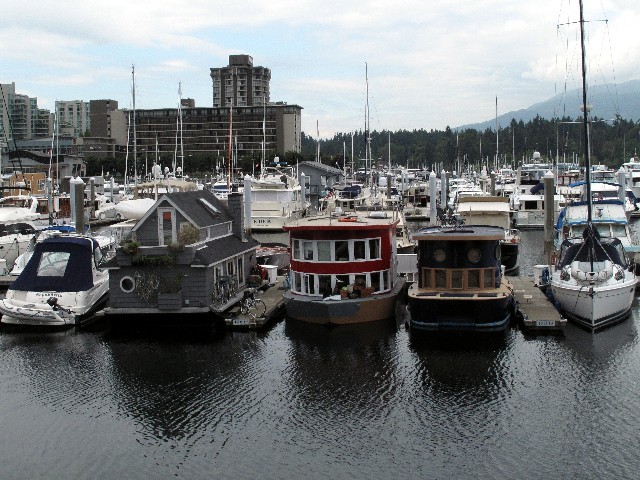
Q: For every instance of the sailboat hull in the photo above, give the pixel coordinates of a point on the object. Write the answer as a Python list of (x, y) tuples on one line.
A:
[(595, 307)]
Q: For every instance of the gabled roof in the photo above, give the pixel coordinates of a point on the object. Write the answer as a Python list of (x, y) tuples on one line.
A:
[(200, 207)]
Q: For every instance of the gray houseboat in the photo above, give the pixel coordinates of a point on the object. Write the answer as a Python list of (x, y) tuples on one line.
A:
[(187, 254)]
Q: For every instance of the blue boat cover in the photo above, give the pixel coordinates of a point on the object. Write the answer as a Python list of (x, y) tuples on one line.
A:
[(76, 269)]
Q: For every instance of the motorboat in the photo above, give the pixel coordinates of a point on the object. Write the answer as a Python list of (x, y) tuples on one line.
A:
[(494, 211), (15, 238), (62, 285), (275, 198)]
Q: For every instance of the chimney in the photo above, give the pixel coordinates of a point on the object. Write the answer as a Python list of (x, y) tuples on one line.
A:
[(235, 204)]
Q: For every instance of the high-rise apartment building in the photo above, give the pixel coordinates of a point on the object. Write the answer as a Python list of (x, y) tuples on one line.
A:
[(73, 117), (240, 83), (20, 117)]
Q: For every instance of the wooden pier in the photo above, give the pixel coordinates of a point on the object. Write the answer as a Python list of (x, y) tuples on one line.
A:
[(272, 296), (533, 308)]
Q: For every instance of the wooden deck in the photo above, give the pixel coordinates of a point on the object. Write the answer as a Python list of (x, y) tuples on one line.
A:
[(536, 313), (273, 298)]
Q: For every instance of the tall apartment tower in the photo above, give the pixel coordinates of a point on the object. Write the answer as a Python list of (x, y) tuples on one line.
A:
[(73, 117), (240, 83)]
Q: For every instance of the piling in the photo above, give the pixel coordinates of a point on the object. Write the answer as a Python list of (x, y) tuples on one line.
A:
[(549, 214), (433, 215), (76, 186)]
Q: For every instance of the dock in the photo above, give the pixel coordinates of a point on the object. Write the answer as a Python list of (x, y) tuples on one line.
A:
[(537, 313), (272, 296)]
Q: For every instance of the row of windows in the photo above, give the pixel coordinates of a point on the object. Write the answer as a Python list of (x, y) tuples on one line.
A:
[(477, 278), (336, 250), (325, 285)]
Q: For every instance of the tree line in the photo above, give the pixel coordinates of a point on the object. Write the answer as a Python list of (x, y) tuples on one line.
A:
[(612, 143)]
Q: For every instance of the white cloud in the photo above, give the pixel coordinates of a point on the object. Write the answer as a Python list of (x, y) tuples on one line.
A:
[(431, 64)]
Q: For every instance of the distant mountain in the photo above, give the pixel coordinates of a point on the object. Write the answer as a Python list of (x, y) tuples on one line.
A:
[(604, 99)]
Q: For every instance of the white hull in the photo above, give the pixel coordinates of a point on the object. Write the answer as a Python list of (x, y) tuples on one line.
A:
[(31, 308), (134, 209), (594, 306)]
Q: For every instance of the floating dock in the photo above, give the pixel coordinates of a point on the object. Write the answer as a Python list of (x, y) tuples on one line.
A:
[(272, 296), (537, 313)]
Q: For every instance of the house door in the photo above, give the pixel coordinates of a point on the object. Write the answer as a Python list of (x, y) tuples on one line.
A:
[(166, 226)]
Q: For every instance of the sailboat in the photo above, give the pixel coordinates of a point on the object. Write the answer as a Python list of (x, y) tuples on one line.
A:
[(591, 280)]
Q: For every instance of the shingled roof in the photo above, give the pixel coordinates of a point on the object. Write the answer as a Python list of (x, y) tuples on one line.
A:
[(200, 206)]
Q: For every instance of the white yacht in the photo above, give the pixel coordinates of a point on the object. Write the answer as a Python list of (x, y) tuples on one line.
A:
[(275, 199)]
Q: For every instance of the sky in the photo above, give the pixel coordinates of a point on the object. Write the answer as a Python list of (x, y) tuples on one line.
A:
[(429, 64)]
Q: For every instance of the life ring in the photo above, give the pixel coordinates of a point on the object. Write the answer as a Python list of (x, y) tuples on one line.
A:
[(348, 219)]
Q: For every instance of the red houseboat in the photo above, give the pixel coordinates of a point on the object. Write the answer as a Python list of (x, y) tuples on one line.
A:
[(343, 268)]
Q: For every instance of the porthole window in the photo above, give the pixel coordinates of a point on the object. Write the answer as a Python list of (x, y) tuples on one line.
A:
[(474, 255), (439, 255), (127, 284)]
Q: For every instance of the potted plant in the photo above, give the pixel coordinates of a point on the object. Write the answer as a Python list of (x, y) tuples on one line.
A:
[(344, 292)]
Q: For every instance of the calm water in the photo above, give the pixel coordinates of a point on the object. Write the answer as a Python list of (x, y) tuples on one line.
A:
[(302, 402)]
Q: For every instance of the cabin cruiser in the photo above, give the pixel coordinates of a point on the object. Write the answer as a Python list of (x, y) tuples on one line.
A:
[(62, 285), (494, 211)]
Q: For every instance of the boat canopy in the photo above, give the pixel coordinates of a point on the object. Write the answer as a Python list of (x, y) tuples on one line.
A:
[(59, 264), (591, 248)]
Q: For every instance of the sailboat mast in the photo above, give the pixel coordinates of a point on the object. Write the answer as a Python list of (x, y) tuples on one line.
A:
[(180, 118), (230, 146), (135, 143), (585, 120), (367, 148)]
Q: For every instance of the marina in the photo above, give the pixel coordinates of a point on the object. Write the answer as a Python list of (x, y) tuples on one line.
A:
[(183, 403), (219, 290)]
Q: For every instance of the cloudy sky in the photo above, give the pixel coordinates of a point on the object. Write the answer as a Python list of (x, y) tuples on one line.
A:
[(431, 64)]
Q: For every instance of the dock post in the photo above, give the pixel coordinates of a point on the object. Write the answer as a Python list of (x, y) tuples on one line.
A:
[(549, 214), (247, 204), (493, 184), (77, 203), (92, 197), (622, 185), (443, 189), (433, 193)]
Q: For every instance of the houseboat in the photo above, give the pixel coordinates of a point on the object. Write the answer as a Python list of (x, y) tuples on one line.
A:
[(188, 254), (343, 268), (460, 281)]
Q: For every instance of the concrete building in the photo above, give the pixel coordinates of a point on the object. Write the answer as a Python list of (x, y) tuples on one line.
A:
[(73, 117), (205, 131), (20, 117), (240, 83)]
